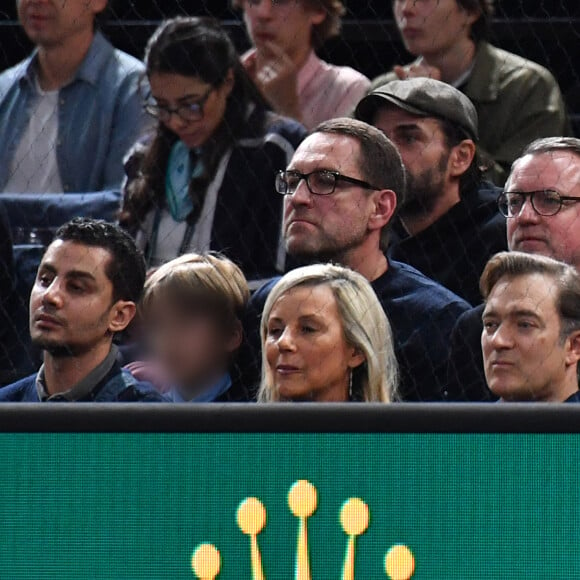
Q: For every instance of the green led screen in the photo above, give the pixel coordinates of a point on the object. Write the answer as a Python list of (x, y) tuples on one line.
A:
[(136, 506)]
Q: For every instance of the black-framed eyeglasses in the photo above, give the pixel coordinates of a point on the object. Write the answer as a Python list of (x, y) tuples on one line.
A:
[(187, 112), (545, 202), (319, 182)]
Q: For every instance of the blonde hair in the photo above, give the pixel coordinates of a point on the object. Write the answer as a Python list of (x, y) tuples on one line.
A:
[(203, 283), (365, 326)]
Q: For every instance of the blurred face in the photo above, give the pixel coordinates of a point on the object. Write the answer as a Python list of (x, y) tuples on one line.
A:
[(51, 22), (556, 236), (524, 357), (171, 91), (71, 304), (286, 23), (324, 227), (190, 347), (308, 357), (432, 26), (425, 153)]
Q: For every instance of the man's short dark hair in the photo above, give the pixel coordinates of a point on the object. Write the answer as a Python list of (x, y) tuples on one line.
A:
[(126, 269), (379, 161)]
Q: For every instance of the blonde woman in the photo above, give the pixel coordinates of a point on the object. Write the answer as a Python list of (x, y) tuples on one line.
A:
[(326, 338), (192, 309)]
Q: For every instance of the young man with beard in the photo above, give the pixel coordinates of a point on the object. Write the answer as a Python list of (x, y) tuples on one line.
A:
[(449, 224), (86, 290)]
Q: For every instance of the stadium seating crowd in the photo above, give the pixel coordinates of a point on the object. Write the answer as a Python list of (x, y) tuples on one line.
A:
[(222, 205)]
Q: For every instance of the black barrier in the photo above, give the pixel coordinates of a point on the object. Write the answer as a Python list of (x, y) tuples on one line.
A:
[(414, 492), (290, 418)]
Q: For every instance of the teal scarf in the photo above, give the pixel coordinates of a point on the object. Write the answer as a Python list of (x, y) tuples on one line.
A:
[(181, 169)]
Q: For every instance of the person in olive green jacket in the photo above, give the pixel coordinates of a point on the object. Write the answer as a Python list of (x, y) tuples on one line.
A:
[(517, 100)]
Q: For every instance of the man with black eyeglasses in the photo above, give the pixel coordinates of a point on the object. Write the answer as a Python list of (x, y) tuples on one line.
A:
[(540, 203), (341, 191)]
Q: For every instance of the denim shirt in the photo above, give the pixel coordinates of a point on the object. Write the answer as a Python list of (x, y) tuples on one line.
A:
[(100, 117)]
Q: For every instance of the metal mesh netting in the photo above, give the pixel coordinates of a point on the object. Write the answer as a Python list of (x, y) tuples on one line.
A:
[(544, 31)]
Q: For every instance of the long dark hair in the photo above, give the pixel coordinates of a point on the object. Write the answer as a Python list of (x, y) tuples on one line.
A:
[(200, 48)]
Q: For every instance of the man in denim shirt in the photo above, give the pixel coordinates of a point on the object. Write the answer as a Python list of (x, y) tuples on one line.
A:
[(86, 291), (70, 112)]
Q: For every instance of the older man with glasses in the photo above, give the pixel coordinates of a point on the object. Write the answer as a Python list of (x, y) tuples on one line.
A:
[(540, 203)]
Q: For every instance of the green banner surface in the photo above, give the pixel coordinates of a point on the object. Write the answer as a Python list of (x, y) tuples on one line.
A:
[(137, 506)]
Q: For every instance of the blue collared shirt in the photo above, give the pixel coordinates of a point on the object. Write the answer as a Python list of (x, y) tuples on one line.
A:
[(207, 396), (100, 117)]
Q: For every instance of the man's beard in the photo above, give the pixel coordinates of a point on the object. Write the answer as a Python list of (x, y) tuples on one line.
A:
[(56, 350), (328, 253), (424, 190)]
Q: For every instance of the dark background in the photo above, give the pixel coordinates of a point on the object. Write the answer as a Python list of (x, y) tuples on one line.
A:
[(547, 31)]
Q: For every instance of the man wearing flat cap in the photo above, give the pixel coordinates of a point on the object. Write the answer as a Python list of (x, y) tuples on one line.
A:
[(449, 224)]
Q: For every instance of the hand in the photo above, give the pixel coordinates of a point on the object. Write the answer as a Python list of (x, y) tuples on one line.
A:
[(276, 76), (150, 372), (420, 69)]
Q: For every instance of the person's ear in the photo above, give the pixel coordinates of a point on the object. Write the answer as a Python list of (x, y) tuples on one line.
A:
[(461, 157), (385, 204), (121, 315), (317, 16), (573, 348), (235, 338), (357, 358)]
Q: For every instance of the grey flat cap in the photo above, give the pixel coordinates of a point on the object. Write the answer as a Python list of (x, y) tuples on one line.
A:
[(425, 97)]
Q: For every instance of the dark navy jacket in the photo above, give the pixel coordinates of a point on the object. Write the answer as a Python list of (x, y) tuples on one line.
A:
[(466, 376), (422, 314), (455, 249), (118, 386)]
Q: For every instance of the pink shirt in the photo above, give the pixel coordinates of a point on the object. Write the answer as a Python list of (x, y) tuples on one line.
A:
[(326, 91)]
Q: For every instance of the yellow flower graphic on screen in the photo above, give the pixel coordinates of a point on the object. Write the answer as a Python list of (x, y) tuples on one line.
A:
[(303, 501)]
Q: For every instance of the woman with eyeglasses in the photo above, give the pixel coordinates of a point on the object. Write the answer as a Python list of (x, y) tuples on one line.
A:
[(205, 180)]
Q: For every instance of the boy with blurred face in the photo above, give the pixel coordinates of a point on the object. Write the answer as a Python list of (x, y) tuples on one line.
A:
[(531, 335), (86, 290), (283, 63), (74, 91), (192, 310), (448, 37), (449, 225)]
